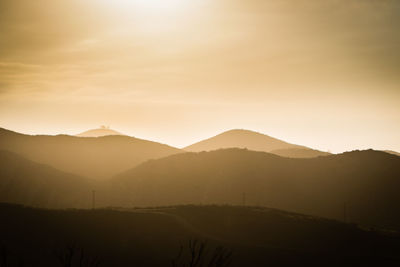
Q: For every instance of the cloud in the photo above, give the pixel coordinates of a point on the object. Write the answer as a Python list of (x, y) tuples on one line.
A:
[(267, 47)]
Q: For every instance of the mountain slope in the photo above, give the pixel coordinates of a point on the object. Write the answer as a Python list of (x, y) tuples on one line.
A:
[(299, 153), (392, 152), (252, 141), (97, 158), (25, 182), (367, 181)]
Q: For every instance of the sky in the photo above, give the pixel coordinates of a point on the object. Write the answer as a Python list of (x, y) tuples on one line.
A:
[(325, 74)]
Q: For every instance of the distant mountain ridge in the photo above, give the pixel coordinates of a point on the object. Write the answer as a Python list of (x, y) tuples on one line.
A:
[(239, 138), (98, 158)]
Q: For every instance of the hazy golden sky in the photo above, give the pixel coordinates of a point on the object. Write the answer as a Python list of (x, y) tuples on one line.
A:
[(325, 74)]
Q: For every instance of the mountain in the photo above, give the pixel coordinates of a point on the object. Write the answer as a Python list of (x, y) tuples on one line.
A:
[(392, 152), (252, 141), (25, 182), (102, 131), (359, 186), (97, 158), (246, 236)]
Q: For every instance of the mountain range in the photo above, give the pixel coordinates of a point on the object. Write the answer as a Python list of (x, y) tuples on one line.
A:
[(102, 153), (56, 171)]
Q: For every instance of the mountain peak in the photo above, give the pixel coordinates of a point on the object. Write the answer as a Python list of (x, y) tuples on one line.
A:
[(242, 132), (102, 131), (241, 138)]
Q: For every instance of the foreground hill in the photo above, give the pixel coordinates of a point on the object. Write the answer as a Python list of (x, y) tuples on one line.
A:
[(359, 186), (96, 158), (26, 182), (253, 141), (156, 237)]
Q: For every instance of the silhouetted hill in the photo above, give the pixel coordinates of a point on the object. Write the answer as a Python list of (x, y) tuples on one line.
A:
[(392, 152), (367, 181), (299, 153), (153, 237), (96, 158), (103, 131), (252, 141), (29, 183)]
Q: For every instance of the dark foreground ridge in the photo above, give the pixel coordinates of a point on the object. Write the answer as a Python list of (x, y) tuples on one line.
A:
[(232, 236)]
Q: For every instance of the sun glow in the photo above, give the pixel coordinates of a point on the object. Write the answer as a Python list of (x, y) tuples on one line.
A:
[(162, 6), (153, 17)]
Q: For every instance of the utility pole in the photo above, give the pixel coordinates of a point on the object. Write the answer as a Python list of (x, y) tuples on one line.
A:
[(93, 199)]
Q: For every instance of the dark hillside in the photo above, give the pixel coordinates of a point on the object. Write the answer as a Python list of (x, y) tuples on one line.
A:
[(359, 186), (152, 237), (25, 182)]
